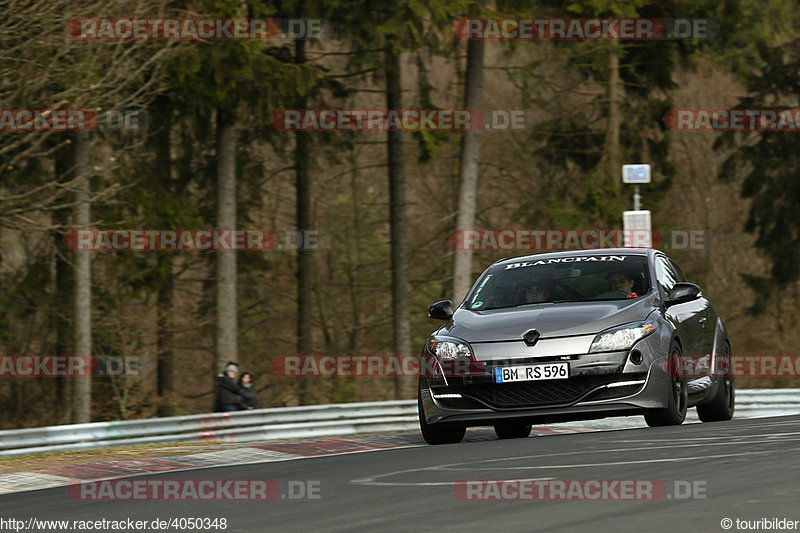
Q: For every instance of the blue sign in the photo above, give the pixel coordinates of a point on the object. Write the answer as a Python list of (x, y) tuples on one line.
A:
[(636, 173)]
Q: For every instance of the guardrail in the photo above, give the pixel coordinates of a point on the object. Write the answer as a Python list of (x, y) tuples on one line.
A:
[(237, 426), (287, 422)]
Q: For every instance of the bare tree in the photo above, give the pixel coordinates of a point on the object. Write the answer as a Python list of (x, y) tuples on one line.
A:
[(83, 280), (63, 288), (165, 351), (397, 218), (615, 94), (305, 262), (468, 168), (64, 72)]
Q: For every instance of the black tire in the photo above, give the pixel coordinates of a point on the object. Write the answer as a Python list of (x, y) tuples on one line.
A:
[(438, 433), (512, 430), (675, 412), (724, 403)]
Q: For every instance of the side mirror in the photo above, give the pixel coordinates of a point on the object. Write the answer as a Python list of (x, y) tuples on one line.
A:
[(683, 292), (441, 310)]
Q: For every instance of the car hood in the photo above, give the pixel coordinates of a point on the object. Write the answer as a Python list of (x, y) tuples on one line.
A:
[(550, 320)]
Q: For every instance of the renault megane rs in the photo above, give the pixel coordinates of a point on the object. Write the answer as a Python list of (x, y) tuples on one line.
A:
[(574, 335)]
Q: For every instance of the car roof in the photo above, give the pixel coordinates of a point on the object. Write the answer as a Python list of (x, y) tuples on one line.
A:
[(571, 253)]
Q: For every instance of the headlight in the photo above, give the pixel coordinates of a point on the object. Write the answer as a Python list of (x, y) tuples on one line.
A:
[(449, 347), (621, 337)]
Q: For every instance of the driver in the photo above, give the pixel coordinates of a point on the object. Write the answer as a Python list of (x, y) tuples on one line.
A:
[(621, 281), (537, 292)]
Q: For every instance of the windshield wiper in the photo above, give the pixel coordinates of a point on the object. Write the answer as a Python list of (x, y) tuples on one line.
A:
[(528, 303)]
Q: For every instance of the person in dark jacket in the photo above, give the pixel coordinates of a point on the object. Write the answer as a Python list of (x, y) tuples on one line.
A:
[(249, 398), (228, 391)]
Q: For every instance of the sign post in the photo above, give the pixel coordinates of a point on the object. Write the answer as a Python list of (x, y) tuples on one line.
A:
[(636, 224)]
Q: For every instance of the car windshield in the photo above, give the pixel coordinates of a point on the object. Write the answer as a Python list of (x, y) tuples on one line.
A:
[(561, 279)]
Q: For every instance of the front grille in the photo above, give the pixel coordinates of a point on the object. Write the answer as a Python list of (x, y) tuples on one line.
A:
[(543, 393)]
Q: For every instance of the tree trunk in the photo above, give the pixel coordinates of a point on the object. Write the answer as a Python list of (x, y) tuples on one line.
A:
[(166, 353), (227, 322), (305, 264), (397, 221), (615, 94), (165, 367), (468, 169), (63, 285), (83, 281)]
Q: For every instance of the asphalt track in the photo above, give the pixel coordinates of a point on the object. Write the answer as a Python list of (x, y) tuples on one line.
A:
[(747, 469)]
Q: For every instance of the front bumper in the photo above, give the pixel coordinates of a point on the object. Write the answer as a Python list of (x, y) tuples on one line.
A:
[(600, 385)]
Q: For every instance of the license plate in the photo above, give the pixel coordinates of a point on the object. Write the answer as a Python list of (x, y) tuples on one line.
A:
[(531, 372)]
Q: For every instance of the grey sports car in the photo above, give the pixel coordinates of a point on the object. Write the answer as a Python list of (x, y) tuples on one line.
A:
[(574, 335)]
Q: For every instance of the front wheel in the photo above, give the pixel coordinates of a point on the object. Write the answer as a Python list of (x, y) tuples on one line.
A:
[(678, 399), (722, 406), (438, 433)]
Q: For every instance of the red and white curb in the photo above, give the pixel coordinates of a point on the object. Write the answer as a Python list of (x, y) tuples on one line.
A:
[(59, 476)]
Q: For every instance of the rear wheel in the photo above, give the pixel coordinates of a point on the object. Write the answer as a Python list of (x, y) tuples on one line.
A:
[(722, 406), (675, 411), (442, 433), (512, 430)]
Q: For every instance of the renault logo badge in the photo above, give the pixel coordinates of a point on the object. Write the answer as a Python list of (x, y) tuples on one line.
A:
[(531, 337)]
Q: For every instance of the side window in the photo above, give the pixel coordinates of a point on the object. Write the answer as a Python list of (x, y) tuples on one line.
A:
[(665, 274), (678, 271)]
